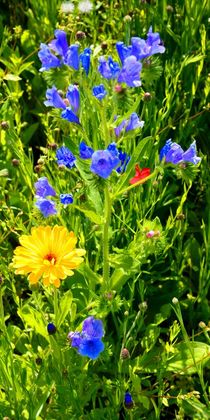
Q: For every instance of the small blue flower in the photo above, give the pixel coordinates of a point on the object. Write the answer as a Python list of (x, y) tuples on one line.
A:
[(72, 57), (91, 348), (43, 188), (60, 44), (88, 342), (143, 49), (99, 92), (128, 401), (173, 153), (112, 149), (108, 69), (51, 328), (123, 51), (85, 152), (70, 116), (130, 72), (124, 160), (191, 154), (131, 124), (66, 198), (47, 207), (103, 163), (54, 99), (93, 328), (85, 60), (73, 97), (65, 157), (47, 59)]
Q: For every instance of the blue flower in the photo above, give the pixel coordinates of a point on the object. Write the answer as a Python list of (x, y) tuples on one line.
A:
[(191, 154), (85, 152), (112, 149), (70, 116), (74, 97), (54, 99), (173, 153), (128, 401), (93, 328), (47, 207), (65, 157), (72, 57), (123, 51), (66, 198), (143, 49), (130, 72), (43, 188), (85, 59), (88, 342), (124, 160), (103, 162), (60, 44), (99, 92), (91, 348), (131, 124), (51, 328), (108, 69), (47, 59)]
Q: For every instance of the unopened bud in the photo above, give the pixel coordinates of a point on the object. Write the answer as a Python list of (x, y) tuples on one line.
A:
[(202, 324), (169, 8), (52, 146), (127, 18), (119, 89), (143, 306), (38, 361), (15, 162), (175, 301), (38, 168), (104, 45), (147, 97), (4, 125), (66, 102), (150, 234), (124, 354), (80, 35)]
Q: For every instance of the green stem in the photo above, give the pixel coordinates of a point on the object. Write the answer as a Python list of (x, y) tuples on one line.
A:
[(105, 126), (107, 214), (56, 305), (3, 326), (178, 312)]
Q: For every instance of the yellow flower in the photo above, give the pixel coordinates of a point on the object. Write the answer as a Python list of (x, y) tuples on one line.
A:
[(49, 253)]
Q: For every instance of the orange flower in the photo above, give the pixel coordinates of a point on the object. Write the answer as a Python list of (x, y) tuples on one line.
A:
[(49, 252), (140, 174)]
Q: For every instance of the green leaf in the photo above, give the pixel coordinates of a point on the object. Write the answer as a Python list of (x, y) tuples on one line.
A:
[(65, 307), (33, 318), (95, 218), (12, 77), (183, 362)]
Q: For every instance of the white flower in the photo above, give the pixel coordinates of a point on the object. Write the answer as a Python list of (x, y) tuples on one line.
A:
[(85, 6), (67, 7)]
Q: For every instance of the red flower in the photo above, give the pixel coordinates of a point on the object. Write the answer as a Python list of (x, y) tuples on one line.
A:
[(140, 174)]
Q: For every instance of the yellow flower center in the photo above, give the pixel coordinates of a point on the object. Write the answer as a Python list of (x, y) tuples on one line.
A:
[(50, 259)]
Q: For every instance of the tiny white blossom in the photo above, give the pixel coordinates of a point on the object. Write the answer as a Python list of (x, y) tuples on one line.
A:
[(67, 7), (85, 6)]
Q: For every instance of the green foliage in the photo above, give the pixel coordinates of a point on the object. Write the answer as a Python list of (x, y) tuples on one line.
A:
[(150, 292)]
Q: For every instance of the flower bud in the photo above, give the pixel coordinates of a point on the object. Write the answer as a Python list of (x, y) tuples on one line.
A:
[(104, 45), (202, 325), (80, 35), (38, 168), (169, 8), (38, 361), (128, 400), (147, 97), (52, 146), (4, 125), (150, 234), (127, 18), (119, 89), (175, 301), (51, 328), (124, 354), (15, 162)]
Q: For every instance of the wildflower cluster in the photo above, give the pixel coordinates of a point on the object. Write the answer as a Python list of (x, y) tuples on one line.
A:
[(43, 190)]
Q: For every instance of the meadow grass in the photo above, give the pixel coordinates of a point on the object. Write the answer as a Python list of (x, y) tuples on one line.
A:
[(146, 272)]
